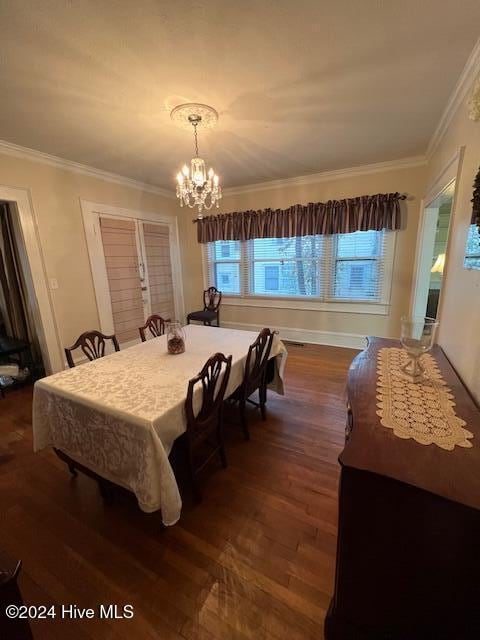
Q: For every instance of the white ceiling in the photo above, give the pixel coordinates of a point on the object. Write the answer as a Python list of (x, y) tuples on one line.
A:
[(301, 87)]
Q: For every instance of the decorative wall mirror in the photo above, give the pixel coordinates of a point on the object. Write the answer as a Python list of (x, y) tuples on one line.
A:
[(472, 250)]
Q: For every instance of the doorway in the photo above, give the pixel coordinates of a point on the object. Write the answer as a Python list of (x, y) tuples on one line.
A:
[(20, 353), (432, 252)]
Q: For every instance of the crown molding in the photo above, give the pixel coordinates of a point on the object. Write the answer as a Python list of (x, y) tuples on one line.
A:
[(457, 97), (326, 176), (10, 149)]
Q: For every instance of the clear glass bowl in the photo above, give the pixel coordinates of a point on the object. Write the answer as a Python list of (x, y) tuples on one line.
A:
[(417, 338)]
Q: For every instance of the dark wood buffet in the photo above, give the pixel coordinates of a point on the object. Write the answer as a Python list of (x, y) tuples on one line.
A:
[(408, 551)]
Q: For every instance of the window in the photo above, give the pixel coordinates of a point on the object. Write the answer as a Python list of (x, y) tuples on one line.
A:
[(472, 253), (286, 266), (357, 265), (344, 267), (224, 263)]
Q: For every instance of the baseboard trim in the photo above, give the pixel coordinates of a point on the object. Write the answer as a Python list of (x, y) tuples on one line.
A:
[(309, 336)]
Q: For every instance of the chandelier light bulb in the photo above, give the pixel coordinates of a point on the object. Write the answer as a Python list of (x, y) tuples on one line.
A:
[(185, 170)]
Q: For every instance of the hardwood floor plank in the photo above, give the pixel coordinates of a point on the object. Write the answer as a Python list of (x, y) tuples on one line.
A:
[(254, 560)]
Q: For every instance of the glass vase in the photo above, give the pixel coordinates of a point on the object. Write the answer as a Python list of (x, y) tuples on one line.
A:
[(175, 338), (417, 338)]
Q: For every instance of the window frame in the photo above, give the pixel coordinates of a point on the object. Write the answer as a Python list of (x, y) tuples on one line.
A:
[(328, 303)]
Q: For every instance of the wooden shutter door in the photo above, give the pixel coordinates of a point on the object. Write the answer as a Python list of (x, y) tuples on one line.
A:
[(121, 259), (159, 267)]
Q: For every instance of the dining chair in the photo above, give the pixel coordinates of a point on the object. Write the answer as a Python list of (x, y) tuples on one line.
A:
[(156, 325), (254, 378), (212, 298), (204, 425), (92, 343)]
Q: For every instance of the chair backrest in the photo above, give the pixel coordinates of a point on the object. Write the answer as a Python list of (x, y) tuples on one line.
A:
[(211, 299), (92, 343), (256, 362), (213, 392), (155, 324)]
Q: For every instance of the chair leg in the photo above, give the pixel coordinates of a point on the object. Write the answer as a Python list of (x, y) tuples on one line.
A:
[(243, 419), (262, 393), (263, 410)]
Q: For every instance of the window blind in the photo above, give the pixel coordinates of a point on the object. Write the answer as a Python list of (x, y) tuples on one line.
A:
[(341, 267)]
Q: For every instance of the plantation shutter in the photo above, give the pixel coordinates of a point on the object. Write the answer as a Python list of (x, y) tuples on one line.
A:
[(159, 269), (122, 263)]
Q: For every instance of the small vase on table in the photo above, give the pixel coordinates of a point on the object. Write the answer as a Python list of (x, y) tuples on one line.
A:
[(175, 338)]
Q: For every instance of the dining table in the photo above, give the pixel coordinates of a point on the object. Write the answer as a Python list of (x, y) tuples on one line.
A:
[(120, 415)]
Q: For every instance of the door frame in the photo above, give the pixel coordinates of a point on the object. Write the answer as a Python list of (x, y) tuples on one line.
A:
[(43, 311), (91, 212), (450, 173)]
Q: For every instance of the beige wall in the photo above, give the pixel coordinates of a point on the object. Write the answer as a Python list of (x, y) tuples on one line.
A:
[(460, 303), (55, 195), (408, 180)]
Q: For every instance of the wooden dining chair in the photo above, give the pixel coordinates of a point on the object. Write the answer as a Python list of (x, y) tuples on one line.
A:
[(212, 298), (93, 344), (203, 437), (254, 378), (155, 324)]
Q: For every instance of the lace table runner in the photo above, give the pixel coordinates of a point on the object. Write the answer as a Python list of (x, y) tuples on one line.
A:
[(423, 411)]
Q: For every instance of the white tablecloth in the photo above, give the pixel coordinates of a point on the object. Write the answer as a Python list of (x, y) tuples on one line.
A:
[(120, 415)]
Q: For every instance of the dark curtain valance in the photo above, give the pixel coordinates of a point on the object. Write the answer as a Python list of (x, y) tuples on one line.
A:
[(364, 213)]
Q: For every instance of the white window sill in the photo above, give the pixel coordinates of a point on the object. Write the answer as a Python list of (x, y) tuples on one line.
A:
[(373, 308)]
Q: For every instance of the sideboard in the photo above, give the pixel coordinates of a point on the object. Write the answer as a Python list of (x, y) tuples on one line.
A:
[(408, 550)]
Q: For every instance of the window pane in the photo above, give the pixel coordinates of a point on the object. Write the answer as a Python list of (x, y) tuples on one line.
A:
[(227, 277), (226, 250), (286, 248), (356, 279), (360, 244), (472, 253), (288, 278), (272, 277)]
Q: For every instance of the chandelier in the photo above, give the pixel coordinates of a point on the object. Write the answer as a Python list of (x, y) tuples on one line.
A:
[(195, 186)]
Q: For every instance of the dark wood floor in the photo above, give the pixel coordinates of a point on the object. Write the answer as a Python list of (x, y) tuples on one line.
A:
[(255, 559)]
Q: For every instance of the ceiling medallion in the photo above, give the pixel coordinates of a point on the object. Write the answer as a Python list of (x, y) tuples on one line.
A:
[(196, 187)]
